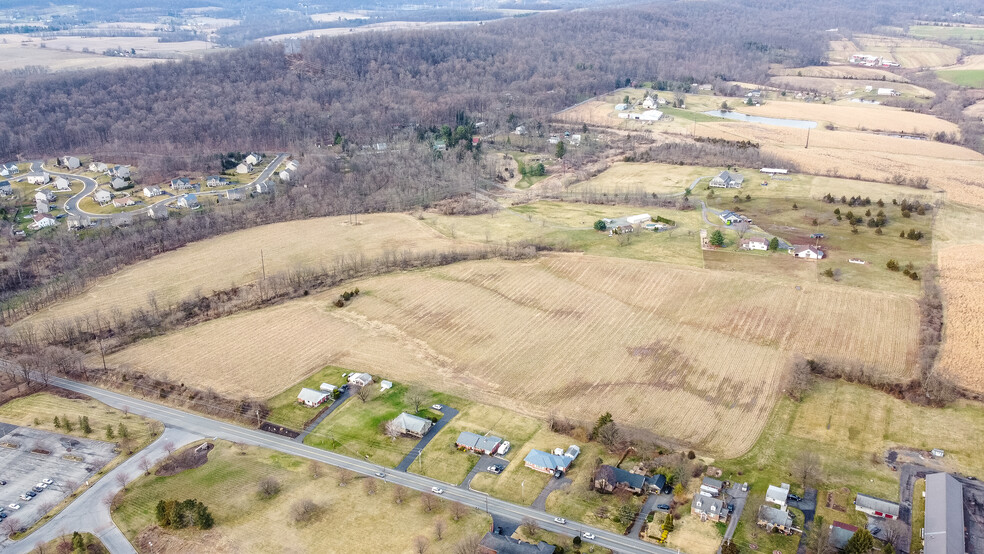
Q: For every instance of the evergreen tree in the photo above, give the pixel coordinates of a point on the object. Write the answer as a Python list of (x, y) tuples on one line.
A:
[(860, 542), (110, 435), (717, 239), (57, 423), (162, 515), (774, 244), (78, 543)]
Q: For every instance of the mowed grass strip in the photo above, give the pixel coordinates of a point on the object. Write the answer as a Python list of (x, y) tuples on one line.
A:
[(973, 78), (228, 485), (45, 407)]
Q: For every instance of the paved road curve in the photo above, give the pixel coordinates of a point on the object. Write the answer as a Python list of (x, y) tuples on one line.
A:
[(201, 426)]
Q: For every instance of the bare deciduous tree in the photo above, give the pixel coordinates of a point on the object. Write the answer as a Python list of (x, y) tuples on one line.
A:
[(458, 511), (530, 527), (399, 494), (370, 485), (415, 397), (467, 545), (315, 469), (798, 377), (304, 511), (363, 393), (268, 487), (145, 464), (806, 467), (439, 527), (428, 502), (420, 544), (121, 479), (344, 477), (609, 435), (169, 448)]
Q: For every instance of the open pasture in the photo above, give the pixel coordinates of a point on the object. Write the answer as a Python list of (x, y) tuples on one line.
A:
[(66, 52), (944, 32), (235, 259), (962, 278), (836, 86), (611, 334), (973, 78), (855, 116), (909, 52), (839, 72)]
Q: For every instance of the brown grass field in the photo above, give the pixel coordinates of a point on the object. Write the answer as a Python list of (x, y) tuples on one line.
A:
[(975, 110), (234, 259), (65, 52), (854, 116), (842, 86), (909, 52), (839, 72), (572, 334), (975, 62), (962, 278)]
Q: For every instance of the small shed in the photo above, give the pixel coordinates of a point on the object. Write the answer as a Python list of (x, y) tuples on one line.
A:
[(385, 385)]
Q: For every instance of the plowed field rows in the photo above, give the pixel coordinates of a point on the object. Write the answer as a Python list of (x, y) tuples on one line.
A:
[(690, 354), (962, 278)]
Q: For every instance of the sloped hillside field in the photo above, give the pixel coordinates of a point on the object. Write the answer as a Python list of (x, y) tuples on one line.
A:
[(689, 354)]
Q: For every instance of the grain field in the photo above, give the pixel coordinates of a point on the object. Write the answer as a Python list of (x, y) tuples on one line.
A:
[(235, 259), (962, 278), (693, 355)]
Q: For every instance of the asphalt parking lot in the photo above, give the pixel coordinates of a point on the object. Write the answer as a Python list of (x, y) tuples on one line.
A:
[(69, 463)]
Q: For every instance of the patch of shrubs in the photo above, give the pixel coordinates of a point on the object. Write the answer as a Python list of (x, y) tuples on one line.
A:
[(188, 513), (345, 297)]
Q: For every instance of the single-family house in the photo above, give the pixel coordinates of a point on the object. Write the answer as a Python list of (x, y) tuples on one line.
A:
[(285, 175), (253, 158), (151, 191), (119, 184), (521, 130), (360, 379), (385, 385), (39, 178), (180, 183), (122, 220), (608, 478), (650, 102), (43, 220), (554, 139), (708, 509), (189, 201), (409, 424), (944, 527), (102, 197), (79, 221), (264, 187), (158, 211), (121, 171), (123, 201), (41, 206), (711, 486), (98, 167), (876, 506), (840, 533), (244, 168), (730, 218), (6, 189), (292, 165), (327, 387), (483, 444), (440, 145), (312, 398), (546, 462), (754, 243), (215, 181), (61, 184), (233, 195), (778, 495), (492, 543), (728, 180), (774, 519), (8, 169), (71, 162), (45, 196), (806, 252)]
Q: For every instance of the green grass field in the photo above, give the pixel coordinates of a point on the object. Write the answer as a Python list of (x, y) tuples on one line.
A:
[(356, 428), (942, 32), (286, 411), (918, 513), (351, 519), (443, 461), (973, 78)]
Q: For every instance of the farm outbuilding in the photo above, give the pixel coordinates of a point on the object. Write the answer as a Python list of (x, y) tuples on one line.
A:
[(944, 515), (711, 486), (876, 506), (311, 397), (840, 533), (360, 379)]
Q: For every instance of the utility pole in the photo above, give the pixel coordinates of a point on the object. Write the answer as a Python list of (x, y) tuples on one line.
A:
[(807, 138), (262, 264)]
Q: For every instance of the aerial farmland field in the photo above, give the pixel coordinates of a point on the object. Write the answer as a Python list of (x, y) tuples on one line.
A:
[(565, 334), (961, 277)]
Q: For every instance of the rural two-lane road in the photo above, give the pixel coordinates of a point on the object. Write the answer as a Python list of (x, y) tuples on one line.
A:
[(187, 425)]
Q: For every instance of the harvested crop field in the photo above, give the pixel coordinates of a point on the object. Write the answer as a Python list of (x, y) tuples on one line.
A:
[(691, 354), (842, 86), (854, 116), (867, 156), (962, 278), (234, 259), (840, 72), (909, 52)]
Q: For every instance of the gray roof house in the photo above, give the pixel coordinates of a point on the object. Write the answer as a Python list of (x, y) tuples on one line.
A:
[(409, 424), (608, 478), (9, 168), (119, 184), (876, 506), (120, 171), (483, 444), (711, 487), (158, 211), (728, 180), (71, 162), (215, 180), (181, 183), (708, 508), (501, 544), (264, 187), (944, 527), (188, 201), (777, 495), (5, 188), (840, 533), (774, 518)]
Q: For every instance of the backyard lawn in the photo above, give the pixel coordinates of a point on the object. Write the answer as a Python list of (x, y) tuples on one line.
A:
[(287, 411)]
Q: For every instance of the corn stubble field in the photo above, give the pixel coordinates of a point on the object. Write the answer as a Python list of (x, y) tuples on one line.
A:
[(690, 354), (961, 276)]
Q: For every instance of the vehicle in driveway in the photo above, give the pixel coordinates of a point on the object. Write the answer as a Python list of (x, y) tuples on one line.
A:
[(437, 407), (795, 497), (495, 469), (665, 507), (437, 490), (503, 448), (589, 536), (560, 520)]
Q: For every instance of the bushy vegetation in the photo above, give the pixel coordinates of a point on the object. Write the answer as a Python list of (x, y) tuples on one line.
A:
[(176, 514)]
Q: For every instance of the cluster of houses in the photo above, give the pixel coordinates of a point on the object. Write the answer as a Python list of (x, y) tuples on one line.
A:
[(869, 60), (246, 166), (314, 398), (628, 224), (776, 517)]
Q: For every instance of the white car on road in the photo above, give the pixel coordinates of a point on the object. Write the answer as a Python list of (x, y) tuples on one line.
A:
[(589, 536), (437, 490), (560, 520)]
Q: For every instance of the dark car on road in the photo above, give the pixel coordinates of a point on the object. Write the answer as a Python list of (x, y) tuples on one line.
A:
[(663, 507)]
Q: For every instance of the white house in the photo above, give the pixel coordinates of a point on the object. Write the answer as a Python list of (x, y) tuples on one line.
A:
[(312, 398), (754, 244), (778, 495), (253, 158), (360, 379), (41, 206), (806, 252), (8, 169), (98, 167), (44, 196), (71, 162), (189, 201), (43, 220), (233, 195), (711, 487), (728, 180), (385, 385), (521, 130), (102, 197), (264, 187), (123, 201), (650, 102), (292, 165), (121, 171), (244, 168), (151, 191), (61, 183), (39, 178), (78, 221), (119, 184), (285, 175), (180, 183)]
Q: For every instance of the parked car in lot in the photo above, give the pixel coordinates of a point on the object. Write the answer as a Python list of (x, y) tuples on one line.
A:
[(3, 515), (560, 520), (24, 497), (37, 488), (14, 506), (47, 481), (2, 482), (589, 536), (437, 490), (32, 494), (663, 507)]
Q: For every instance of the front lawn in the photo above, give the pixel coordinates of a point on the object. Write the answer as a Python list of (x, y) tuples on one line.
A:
[(286, 411)]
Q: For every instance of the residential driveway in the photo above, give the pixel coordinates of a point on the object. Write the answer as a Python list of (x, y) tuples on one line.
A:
[(738, 498), (649, 506), (554, 484), (752, 231), (483, 463), (317, 421), (449, 414), (809, 508)]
